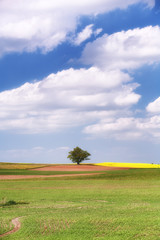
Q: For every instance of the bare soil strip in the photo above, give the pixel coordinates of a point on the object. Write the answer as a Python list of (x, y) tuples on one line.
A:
[(6, 177), (17, 226), (78, 168)]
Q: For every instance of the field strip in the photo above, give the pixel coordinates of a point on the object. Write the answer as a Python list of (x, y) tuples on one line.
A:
[(16, 224), (77, 168), (127, 165), (5, 177)]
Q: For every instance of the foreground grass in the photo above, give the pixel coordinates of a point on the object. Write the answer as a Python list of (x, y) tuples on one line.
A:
[(116, 205)]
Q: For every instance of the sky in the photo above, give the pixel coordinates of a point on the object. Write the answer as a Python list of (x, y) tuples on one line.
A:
[(80, 73)]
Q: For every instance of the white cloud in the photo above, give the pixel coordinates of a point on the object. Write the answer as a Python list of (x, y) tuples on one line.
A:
[(126, 128), (124, 50), (98, 31), (38, 148), (127, 96), (84, 35), (32, 24), (63, 148), (67, 99), (154, 107), (101, 96), (100, 99)]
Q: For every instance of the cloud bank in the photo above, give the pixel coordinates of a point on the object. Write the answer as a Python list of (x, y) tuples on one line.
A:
[(126, 128), (67, 99), (31, 25), (124, 50), (100, 99)]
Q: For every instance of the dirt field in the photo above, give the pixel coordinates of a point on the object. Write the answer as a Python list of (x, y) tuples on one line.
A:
[(78, 168), (63, 168), (5, 177)]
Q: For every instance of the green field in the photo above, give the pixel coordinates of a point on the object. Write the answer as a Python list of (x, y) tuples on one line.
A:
[(115, 205), (34, 172), (4, 165)]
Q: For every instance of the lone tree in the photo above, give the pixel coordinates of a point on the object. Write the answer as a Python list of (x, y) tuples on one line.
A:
[(78, 155)]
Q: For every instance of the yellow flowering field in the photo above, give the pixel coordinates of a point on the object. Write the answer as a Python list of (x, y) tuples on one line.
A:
[(128, 165)]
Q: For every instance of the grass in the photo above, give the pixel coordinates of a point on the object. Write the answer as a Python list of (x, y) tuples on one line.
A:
[(118, 205), (34, 172), (4, 202), (4, 165), (5, 225)]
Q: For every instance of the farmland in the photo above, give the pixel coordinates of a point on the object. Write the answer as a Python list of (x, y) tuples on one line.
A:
[(129, 165), (122, 204)]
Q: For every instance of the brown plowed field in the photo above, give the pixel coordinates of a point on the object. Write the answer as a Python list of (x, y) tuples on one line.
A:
[(78, 168), (5, 177), (63, 168)]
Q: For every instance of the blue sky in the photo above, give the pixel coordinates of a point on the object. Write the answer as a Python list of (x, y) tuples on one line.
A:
[(80, 74)]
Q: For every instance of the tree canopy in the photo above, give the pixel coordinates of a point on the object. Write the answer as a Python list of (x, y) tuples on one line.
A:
[(77, 155)]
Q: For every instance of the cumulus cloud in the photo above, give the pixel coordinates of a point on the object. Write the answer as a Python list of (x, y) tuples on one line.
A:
[(67, 99), (101, 96), (154, 107), (126, 128), (32, 24), (124, 50)]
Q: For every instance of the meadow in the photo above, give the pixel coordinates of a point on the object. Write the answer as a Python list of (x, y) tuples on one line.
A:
[(114, 205)]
